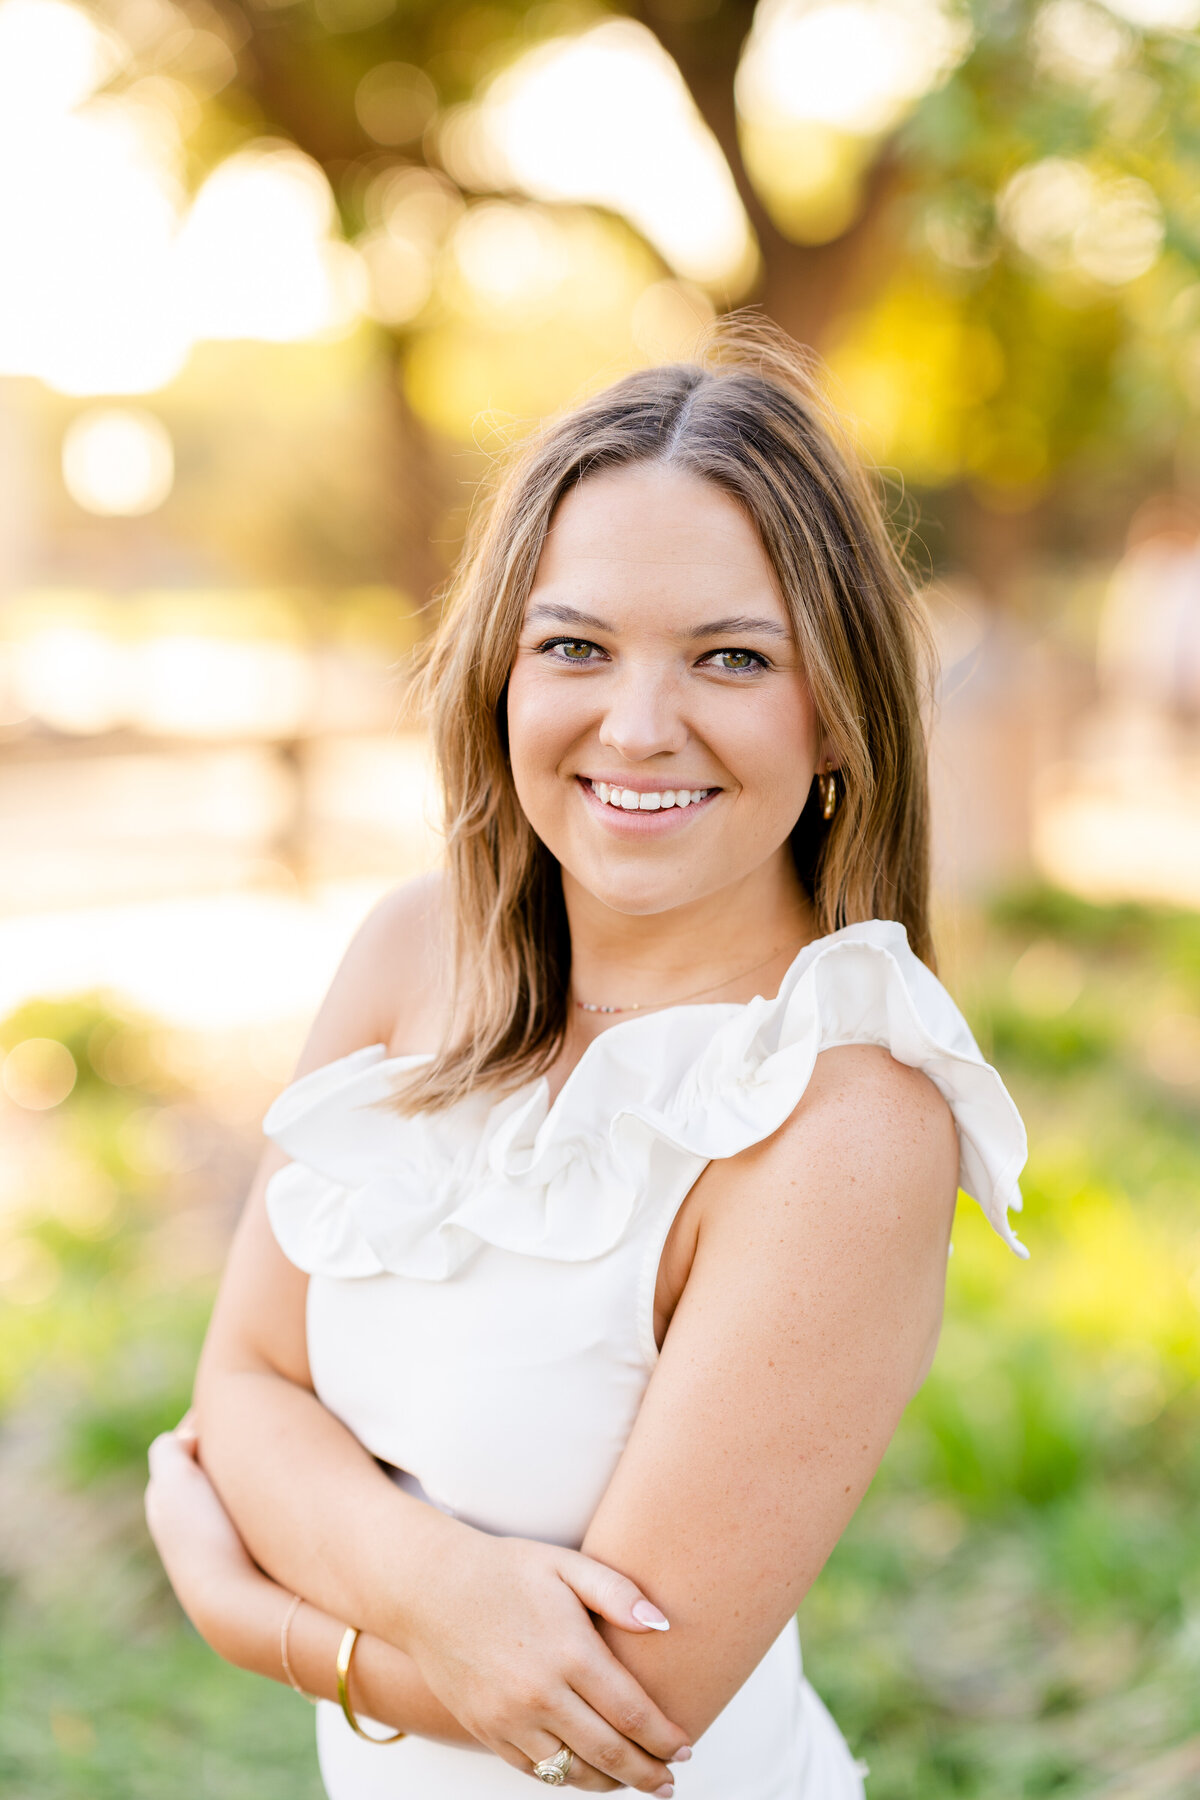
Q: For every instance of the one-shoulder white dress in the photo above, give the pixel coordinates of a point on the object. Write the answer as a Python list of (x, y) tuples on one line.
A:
[(483, 1278)]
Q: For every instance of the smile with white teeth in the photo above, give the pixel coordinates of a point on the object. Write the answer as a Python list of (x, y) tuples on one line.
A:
[(629, 800)]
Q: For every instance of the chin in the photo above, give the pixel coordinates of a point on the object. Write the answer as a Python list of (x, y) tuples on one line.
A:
[(639, 897)]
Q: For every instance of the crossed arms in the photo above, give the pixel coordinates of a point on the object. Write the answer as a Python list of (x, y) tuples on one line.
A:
[(806, 1320)]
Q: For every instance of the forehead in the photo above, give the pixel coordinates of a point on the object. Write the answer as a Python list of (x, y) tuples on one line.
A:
[(648, 535)]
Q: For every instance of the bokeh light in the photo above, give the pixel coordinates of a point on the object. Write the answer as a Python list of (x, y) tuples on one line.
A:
[(255, 257), (394, 102), (1158, 15), (818, 84), (605, 116), (1062, 215), (1079, 41), (110, 273), (118, 460), (855, 64), (38, 1073), (52, 57)]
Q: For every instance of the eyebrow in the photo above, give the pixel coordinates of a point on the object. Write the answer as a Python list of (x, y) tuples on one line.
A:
[(737, 623), (734, 625), (567, 615)]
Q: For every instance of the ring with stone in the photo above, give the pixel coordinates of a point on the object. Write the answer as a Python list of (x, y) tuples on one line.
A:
[(553, 1770)]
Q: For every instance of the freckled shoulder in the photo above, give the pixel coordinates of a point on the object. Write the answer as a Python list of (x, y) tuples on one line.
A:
[(868, 1159), (871, 1143)]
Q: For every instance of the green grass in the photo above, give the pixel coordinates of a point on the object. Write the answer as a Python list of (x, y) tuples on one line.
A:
[(1015, 1610), (123, 1702)]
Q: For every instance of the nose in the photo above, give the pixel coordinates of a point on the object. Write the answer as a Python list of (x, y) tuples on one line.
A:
[(642, 717)]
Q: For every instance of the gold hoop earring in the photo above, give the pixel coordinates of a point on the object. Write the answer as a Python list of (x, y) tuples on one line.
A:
[(827, 784)]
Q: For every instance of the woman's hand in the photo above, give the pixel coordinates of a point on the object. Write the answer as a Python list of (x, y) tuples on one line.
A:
[(521, 1709), (201, 1551), (504, 1640)]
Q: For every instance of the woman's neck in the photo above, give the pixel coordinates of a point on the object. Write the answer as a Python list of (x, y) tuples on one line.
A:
[(711, 949)]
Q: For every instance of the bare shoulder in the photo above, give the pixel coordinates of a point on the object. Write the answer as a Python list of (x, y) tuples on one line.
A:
[(391, 986), (871, 1102), (870, 1154)]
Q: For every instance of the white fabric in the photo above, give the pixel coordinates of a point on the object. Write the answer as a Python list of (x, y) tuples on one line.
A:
[(480, 1308)]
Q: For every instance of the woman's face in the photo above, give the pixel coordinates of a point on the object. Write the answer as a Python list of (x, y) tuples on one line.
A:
[(662, 734)]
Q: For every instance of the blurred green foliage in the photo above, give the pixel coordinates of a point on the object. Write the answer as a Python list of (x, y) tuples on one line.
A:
[(1014, 1611), (1016, 1607)]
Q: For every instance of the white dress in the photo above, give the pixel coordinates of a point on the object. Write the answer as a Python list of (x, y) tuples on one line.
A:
[(480, 1308)]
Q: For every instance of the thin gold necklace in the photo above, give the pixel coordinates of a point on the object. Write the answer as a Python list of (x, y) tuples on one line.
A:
[(594, 1006)]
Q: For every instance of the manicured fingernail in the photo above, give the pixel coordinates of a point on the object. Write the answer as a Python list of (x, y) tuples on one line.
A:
[(645, 1614), (665, 1791), (684, 1755)]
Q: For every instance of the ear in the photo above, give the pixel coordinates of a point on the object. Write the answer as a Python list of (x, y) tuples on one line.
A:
[(827, 756)]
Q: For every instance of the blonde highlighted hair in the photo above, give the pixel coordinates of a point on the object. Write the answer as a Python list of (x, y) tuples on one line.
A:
[(748, 416)]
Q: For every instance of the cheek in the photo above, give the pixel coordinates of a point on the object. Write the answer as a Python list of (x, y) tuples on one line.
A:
[(541, 726), (771, 748)]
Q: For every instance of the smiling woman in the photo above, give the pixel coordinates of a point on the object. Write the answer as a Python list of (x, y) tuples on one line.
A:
[(710, 536), (555, 1352), (674, 695)]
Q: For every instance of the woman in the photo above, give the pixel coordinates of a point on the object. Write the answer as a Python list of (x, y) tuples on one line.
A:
[(625, 1268)]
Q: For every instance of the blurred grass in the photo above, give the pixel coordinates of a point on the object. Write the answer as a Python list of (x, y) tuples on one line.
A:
[(152, 1716), (1015, 1610)]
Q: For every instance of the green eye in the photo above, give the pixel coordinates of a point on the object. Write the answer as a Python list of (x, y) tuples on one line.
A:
[(576, 650), (738, 662)]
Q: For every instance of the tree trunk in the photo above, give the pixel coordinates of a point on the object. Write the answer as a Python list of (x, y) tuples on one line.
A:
[(805, 288)]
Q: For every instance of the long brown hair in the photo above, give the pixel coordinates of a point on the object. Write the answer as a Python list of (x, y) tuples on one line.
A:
[(748, 416)]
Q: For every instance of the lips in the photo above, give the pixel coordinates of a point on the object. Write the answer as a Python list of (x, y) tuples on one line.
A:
[(646, 800)]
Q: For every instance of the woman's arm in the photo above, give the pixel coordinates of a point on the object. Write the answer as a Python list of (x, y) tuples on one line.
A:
[(808, 1320), (241, 1613), (245, 1617), (498, 1627), (311, 1504)]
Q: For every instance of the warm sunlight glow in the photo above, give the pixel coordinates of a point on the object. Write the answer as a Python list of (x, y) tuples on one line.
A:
[(1158, 15), (118, 460), (1063, 216), (1077, 41), (255, 258), (52, 56), (72, 677), (606, 117), (109, 275), (855, 64), (511, 256)]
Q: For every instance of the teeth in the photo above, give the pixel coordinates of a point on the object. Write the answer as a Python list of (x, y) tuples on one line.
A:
[(629, 800)]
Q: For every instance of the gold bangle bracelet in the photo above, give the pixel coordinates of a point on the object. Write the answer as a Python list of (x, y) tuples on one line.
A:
[(345, 1652), (283, 1648)]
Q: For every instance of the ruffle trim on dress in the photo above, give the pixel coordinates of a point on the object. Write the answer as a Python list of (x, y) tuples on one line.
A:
[(371, 1190)]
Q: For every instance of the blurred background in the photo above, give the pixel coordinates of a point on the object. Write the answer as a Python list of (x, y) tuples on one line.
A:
[(278, 279)]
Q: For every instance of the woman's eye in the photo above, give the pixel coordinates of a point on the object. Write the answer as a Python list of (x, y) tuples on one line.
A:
[(574, 650), (737, 662)]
